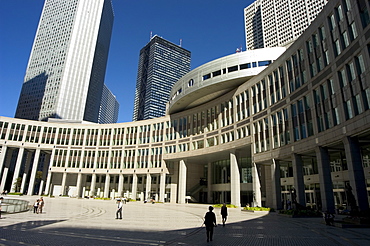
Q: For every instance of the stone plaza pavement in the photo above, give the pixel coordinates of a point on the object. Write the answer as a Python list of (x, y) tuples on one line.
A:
[(71, 221)]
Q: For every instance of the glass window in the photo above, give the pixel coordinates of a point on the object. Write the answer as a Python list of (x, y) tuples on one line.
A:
[(339, 12), (351, 71), (337, 49), (349, 109), (345, 39), (332, 22), (353, 31), (360, 64), (342, 77)]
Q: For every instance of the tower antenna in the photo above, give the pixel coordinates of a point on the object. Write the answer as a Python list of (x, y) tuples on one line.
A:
[(151, 35), (180, 42)]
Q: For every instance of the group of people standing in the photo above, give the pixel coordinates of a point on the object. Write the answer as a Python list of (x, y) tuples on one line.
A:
[(210, 220), (38, 206)]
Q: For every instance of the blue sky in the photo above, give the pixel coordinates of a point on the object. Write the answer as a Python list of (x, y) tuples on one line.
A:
[(209, 29)]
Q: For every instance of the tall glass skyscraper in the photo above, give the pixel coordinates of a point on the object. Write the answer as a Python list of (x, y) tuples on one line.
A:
[(272, 23), (66, 69), (109, 107), (161, 64)]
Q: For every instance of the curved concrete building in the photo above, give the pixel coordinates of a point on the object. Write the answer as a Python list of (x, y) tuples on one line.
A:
[(296, 130)]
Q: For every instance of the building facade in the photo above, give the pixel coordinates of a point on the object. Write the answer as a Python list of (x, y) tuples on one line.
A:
[(161, 64), (66, 69), (109, 107), (292, 127), (272, 23)]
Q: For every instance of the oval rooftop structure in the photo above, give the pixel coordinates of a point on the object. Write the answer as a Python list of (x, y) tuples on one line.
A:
[(218, 77)]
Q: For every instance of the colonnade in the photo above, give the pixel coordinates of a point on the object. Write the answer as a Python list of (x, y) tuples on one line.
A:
[(354, 176), (27, 161), (84, 188)]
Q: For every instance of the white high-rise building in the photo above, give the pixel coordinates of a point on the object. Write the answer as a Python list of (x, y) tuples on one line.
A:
[(109, 107), (272, 23), (66, 68)]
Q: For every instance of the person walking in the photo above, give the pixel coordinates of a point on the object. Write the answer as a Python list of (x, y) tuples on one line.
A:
[(224, 214), (119, 209), (210, 222)]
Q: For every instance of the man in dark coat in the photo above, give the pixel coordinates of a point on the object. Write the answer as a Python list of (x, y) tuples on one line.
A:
[(224, 214), (210, 222)]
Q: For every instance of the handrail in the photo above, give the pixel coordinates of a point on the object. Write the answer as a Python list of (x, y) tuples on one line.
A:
[(10, 205)]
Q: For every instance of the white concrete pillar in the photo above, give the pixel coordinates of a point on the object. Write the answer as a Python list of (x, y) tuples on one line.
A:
[(298, 175), (234, 180), (120, 185), (35, 164), (3, 179), (79, 184), (44, 173), (106, 186), (48, 182), (209, 183), (257, 196), (326, 184), (162, 187), (356, 173), (173, 193), (17, 169), (93, 184), (27, 167), (148, 186), (63, 188), (276, 185), (134, 186), (182, 182), (2, 158)]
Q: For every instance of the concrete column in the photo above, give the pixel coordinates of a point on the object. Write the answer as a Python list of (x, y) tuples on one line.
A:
[(2, 158), (17, 168), (44, 173), (35, 164), (134, 186), (120, 184), (3, 179), (93, 184), (79, 185), (182, 182), (276, 185), (7, 161), (257, 196), (148, 186), (173, 193), (162, 187), (209, 183), (326, 184), (48, 182), (356, 173), (106, 186), (49, 176), (298, 179), (64, 179), (234, 180), (27, 167)]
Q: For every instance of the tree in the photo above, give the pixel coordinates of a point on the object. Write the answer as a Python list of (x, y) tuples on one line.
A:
[(17, 184)]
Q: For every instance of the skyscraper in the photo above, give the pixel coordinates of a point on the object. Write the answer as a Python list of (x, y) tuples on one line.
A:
[(109, 107), (271, 23), (161, 64), (66, 69)]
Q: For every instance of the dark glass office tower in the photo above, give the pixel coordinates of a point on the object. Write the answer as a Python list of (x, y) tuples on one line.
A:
[(161, 64)]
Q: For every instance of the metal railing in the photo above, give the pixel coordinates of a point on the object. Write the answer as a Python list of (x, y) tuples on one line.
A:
[(10, 205)]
